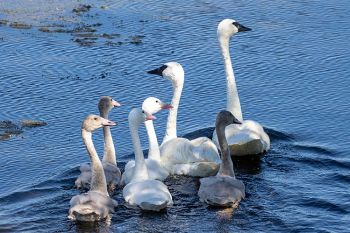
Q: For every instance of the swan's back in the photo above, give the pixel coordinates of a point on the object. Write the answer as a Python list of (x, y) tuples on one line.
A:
[(249, 138), (91, 206), (112, 173), (222, 191), (205, 150), (199, 157), (177, 150), (151, 195)]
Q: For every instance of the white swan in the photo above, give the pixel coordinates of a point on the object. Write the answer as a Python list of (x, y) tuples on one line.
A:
[(109, 162), (96, 204), (143, 192), (198, 157), (156, 171), (249, 137), (223, 189)]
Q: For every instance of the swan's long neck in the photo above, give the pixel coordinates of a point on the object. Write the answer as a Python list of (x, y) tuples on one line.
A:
[(140, 170), (233, 103), (172, 117), (226, 166), (98, 179), (153, 151), (109, 150)]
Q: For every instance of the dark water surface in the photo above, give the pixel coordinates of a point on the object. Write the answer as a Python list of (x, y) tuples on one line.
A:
[(292, 72)]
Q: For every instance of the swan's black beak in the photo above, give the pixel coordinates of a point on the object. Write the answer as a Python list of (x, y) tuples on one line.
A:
[(236, 121), (241, 28), (158, 71)]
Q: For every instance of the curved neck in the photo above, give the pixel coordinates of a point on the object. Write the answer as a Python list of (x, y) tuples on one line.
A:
[(140, 171), (226, 166), (109, 150), (153, 150), (172, 117), (98, 179), (233, 103)]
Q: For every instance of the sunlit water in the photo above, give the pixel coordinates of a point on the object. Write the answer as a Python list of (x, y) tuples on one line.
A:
[(292, 73)]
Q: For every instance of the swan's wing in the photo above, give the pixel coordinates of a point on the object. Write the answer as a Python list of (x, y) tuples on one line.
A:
[(113, 175), (150, 195), (221, 190), (84, 179), (85, 167), (205, 150), (196, 169), (155, 170), (177, 150), (129, 164)]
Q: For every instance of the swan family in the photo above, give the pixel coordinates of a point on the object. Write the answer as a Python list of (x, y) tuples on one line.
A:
[(142, 180)]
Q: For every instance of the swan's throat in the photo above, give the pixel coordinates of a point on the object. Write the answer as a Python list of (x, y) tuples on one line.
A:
[(233, 103)]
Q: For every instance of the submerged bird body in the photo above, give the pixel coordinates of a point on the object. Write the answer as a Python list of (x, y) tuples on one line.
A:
[(109, 162), (250, 137), (96, 204), (198, 157), (224, 189)]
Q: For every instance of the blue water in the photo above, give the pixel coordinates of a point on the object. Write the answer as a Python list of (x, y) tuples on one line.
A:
[(292, 73)]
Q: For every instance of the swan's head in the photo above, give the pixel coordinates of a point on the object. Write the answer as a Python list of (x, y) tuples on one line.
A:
[(229, 27), (153, 105), (93, 122), (106, 104), (137, 116), (225, 118), (170, 70)]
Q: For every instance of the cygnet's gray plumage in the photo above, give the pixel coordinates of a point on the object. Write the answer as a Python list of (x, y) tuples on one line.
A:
[(96, 204), (109, 162), (223, 189)]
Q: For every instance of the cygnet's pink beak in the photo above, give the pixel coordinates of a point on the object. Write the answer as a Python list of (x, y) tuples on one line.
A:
[(116, 104), (106, 122), (150, 117), (167, 106)]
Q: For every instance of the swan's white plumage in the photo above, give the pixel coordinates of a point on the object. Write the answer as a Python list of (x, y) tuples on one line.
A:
[(155, 169), (150, 195), (248, 138), (141, 191), (179, 155), (198, 157)]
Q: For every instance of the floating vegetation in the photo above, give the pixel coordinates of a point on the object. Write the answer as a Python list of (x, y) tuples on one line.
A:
[(19, 25), (32, 123), (81, 9), (3, 22), (9, 129), (85, 41), (113, 44), (137, 39), (102, 75)]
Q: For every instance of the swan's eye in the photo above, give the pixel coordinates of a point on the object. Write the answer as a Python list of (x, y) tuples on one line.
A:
[(157, 101), (111, 99), (143, 111), (95, 118)]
